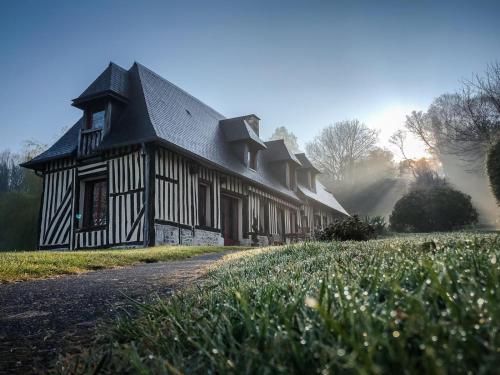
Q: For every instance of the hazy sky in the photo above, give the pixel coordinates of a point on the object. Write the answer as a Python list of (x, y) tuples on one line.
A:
[(301, 64)]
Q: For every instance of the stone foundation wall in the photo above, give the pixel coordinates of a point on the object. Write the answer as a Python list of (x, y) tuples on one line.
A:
[(171, 235), (263, 240), (207, 237), (186, 237), (166, 235)]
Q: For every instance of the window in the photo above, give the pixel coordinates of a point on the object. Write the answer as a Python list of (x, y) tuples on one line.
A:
[(287, 176), (294, 180), (203, 205), (293, 222), (95, 119), (264, 217), (252, 160), (304, 222), (317, 221), (95, 203)]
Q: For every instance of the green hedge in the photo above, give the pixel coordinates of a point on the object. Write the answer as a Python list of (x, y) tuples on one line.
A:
[(493, 168)]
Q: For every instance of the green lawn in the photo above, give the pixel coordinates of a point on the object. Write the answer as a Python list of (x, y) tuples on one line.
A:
[(27, 265), (416, 304)]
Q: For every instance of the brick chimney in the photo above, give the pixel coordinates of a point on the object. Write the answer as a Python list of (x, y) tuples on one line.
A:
[(253, 121)]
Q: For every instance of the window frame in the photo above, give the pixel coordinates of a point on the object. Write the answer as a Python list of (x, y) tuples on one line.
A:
[(89, 121), (252, 160), (206, 186), (86, 207)]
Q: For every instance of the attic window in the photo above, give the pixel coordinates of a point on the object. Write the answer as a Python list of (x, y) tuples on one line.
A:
[(189, 113), (95, 119), (252, 160)]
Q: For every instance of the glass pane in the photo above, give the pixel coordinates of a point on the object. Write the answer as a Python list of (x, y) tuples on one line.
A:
[(99, 210), (98, 120), (202, 205)]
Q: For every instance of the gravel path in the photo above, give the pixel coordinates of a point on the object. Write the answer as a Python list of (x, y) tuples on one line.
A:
[(40, 319)]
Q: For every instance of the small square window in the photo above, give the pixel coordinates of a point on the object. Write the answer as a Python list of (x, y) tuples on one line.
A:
[(95, 119)]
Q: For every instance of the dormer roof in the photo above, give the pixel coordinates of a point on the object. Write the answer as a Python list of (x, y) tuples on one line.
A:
[(112, 81), (306, 163), (237, 129), (278, 151)]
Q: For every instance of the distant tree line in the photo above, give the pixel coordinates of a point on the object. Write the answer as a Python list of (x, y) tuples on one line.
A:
[(20, 191)]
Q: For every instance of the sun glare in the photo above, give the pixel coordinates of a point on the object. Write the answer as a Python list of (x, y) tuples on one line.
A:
[(389, 121)]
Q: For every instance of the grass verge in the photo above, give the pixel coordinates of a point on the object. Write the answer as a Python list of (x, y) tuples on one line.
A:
[(28, 265), (400, 305)]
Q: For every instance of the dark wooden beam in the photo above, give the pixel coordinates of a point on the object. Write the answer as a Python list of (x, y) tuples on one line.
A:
[(149, 196)]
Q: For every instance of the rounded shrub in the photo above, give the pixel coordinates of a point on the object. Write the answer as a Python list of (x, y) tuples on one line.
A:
[(493, 169), (438, 208), (348, 229)]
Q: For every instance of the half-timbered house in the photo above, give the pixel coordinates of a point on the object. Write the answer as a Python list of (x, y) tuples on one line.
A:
[(147, 164)]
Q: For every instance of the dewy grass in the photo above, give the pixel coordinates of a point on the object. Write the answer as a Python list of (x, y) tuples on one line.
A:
[(27, 265), (402, 305)]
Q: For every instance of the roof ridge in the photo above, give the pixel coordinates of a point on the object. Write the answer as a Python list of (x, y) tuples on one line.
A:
[(179, 88), (113, 64)]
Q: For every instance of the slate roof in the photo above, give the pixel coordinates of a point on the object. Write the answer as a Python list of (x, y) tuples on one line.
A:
[(238, 129), (322, 196), (114, 80), (278, 151), (306, 163), (65, 146), (158, 111)]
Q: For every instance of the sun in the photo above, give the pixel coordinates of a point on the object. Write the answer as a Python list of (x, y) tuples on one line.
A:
[(389, 120)]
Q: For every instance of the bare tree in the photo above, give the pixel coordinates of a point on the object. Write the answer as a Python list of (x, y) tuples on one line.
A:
[(488, 85), (462, 124), (290, 139), (339, 146)]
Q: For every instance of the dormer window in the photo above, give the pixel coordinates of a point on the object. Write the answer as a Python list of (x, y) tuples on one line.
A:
[(92, 130), (95, 119), (252, 159), (294, 180)]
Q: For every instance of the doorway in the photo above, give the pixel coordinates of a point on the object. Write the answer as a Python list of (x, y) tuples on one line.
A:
[(229, 219), (281, 223)]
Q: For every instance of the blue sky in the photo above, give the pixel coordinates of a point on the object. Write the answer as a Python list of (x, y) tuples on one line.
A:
[(301, 64)]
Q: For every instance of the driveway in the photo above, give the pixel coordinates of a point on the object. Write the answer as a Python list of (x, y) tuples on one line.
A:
[(43, 318)]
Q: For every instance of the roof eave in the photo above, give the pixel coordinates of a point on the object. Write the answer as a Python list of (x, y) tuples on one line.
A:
[(32, 163), (80, 101), (322, 203)]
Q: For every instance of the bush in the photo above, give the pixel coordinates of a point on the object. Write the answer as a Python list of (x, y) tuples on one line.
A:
[(493, 169), (439, 208), (378, 223), (352, 228)]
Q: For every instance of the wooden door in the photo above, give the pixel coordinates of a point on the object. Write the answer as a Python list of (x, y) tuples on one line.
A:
[(229, 220), (281, 224)]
